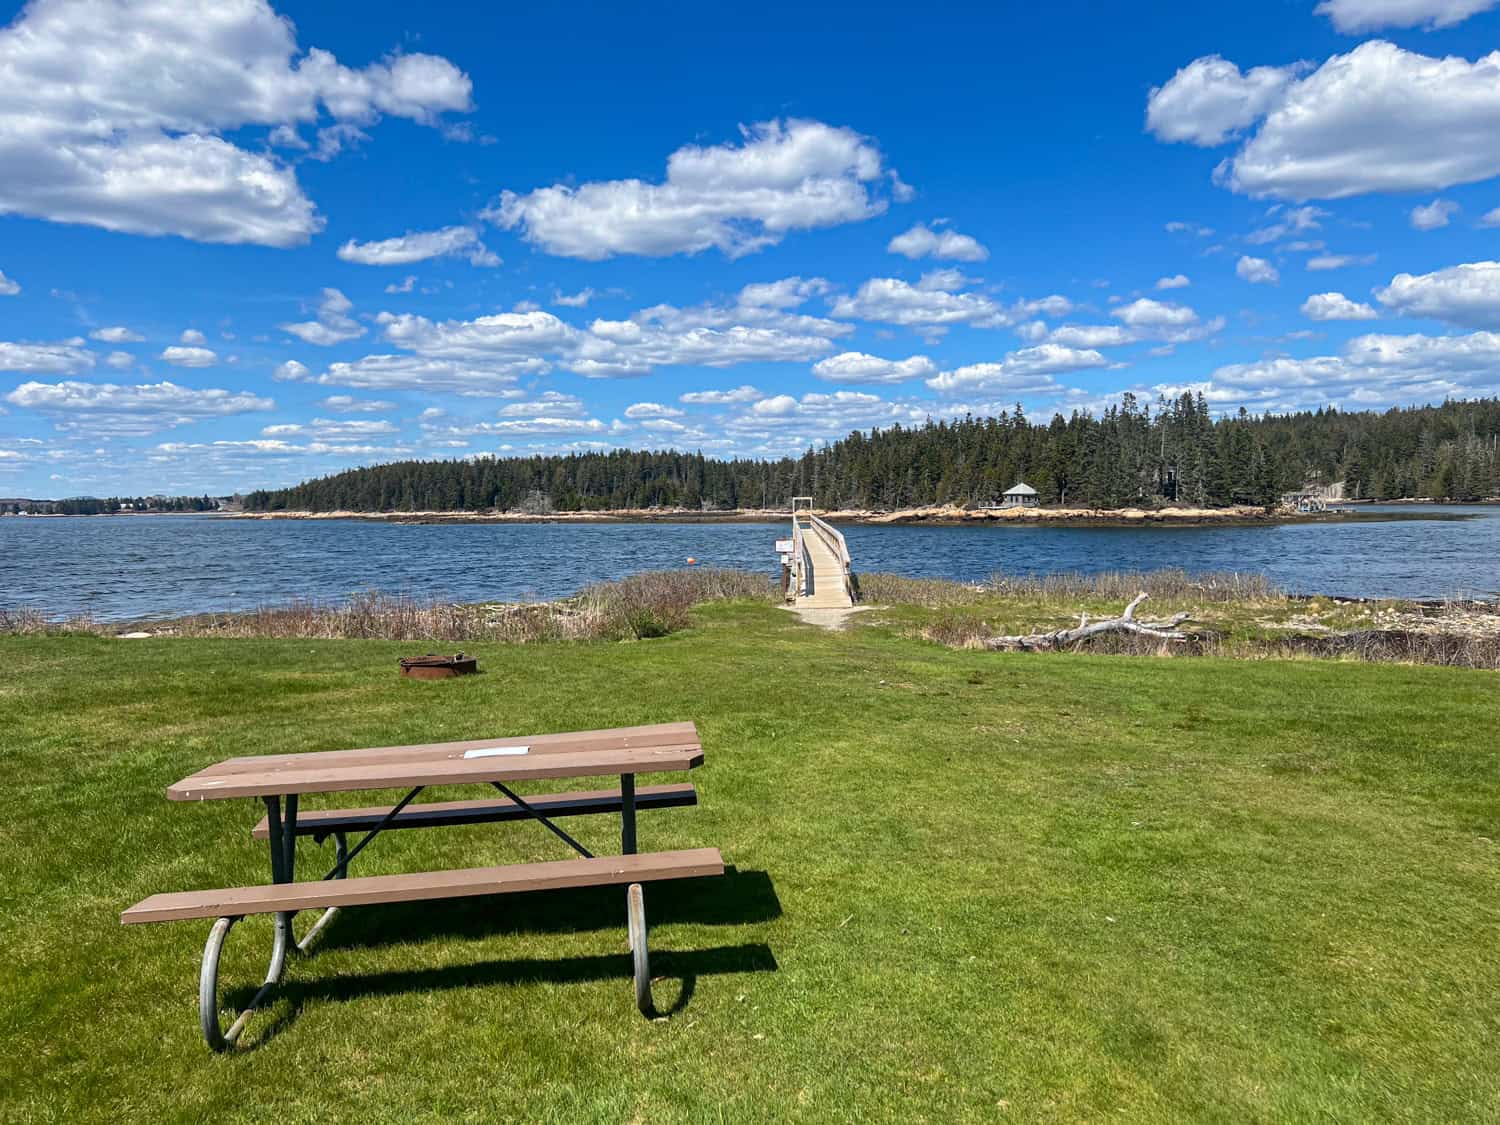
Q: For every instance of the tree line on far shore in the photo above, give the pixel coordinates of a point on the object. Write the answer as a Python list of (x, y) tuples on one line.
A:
[(104, 505), (1174, 452)]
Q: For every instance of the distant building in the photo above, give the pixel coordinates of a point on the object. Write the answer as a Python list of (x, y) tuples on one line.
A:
[(1020, 496)]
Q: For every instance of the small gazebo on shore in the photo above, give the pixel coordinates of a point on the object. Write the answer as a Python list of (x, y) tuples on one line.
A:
[(1020, 495)]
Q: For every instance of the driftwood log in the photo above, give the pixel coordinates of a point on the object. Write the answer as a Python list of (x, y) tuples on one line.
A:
[(1066, 638)]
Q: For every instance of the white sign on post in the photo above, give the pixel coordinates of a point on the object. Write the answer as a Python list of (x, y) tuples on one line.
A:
[(783, 546)]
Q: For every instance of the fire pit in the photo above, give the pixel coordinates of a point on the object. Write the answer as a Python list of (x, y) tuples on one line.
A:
[(435, 667)]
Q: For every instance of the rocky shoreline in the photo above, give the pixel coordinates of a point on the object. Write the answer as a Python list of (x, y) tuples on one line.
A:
[(936, 514)]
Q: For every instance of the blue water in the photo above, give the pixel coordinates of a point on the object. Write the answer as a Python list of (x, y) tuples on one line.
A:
[(118, 568)]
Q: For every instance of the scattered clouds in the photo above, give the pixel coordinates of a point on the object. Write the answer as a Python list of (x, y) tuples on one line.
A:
[(120, 360), (45, 359), (933, 302), (116, 115), (924, 242), (291, 372), (1357, 17), (858, 367), (189, 357), (1467, 296), (1257, 271), (1431, 216), (1325, 262), (785, 422), (119, 334), (108, 408), (419, 246), (760, 326), (347, 404), (1176, 226), (737, 396), (577, 300), (551, 404), (1378, 119), (1289, 221), (1336, 306), (332, 429), (405, 285), (1176, 281), (1371, 371), (334, 324), (8, 287), (639, 410), (785, 176), (192, 336), (1165, 321), (410, 372), (1021, 372), (1090, 336)]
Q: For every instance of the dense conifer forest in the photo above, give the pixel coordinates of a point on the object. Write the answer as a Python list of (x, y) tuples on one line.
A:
[(1175, 452)]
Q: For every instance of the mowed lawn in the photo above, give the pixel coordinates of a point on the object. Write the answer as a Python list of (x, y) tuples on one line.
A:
[(966, 886)]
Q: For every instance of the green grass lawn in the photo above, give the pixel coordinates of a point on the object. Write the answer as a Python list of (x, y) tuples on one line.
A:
[(966, 886)]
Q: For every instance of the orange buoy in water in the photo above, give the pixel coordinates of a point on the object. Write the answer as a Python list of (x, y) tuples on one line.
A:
[(692, 561)]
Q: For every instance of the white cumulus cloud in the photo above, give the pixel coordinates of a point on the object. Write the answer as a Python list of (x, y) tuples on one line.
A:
[(1336, 306), (934, 302), (1176, 281), (1377, 119), (1165, 321), (334, 324), (785, 176), (419, 246), (1467, 295), (737, 396), (1210, 100), (1023, 371), (118, 334), (117, 115), (347, 404), (45, 359), (1431, 216), (8, 286), (1325, 262), (1257, 271), (922, 241), (858, 367), (1357, 17), (651, 410), (131, 410), (179, 356)]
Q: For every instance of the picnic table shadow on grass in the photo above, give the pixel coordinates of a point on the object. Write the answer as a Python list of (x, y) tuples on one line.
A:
[(737, 898)]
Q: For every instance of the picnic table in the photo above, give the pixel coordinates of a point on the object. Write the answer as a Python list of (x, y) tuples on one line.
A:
[(281, 780)]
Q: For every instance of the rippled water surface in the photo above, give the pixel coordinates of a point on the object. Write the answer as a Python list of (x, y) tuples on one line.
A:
[(133, 566)]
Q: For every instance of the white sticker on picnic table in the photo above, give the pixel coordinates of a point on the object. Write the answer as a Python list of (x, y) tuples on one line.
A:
[(497, 751)]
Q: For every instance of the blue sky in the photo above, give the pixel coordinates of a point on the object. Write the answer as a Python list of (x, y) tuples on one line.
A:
[(243, 247)]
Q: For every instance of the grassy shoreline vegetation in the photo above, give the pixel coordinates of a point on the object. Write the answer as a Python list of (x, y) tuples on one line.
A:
[(966, 886), (1230, 614)]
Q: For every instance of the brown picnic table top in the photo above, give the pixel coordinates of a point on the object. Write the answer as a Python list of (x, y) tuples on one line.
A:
[(657, 748)]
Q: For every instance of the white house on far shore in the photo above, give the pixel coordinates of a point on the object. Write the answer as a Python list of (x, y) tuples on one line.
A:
[(1020, 495)]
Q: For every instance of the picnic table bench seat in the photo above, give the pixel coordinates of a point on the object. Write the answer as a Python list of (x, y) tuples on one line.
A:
[(370, 890), (321, 823)]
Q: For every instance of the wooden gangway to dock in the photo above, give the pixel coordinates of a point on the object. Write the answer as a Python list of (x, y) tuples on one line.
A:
[(822, 574)]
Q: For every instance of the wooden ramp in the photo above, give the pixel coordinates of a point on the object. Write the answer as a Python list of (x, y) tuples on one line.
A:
[(822, 576)]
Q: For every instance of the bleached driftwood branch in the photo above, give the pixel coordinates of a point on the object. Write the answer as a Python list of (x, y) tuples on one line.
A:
[(1066, 638)]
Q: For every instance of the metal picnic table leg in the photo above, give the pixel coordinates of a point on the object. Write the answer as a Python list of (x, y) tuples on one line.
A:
[(635, 902), (283, 834)]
